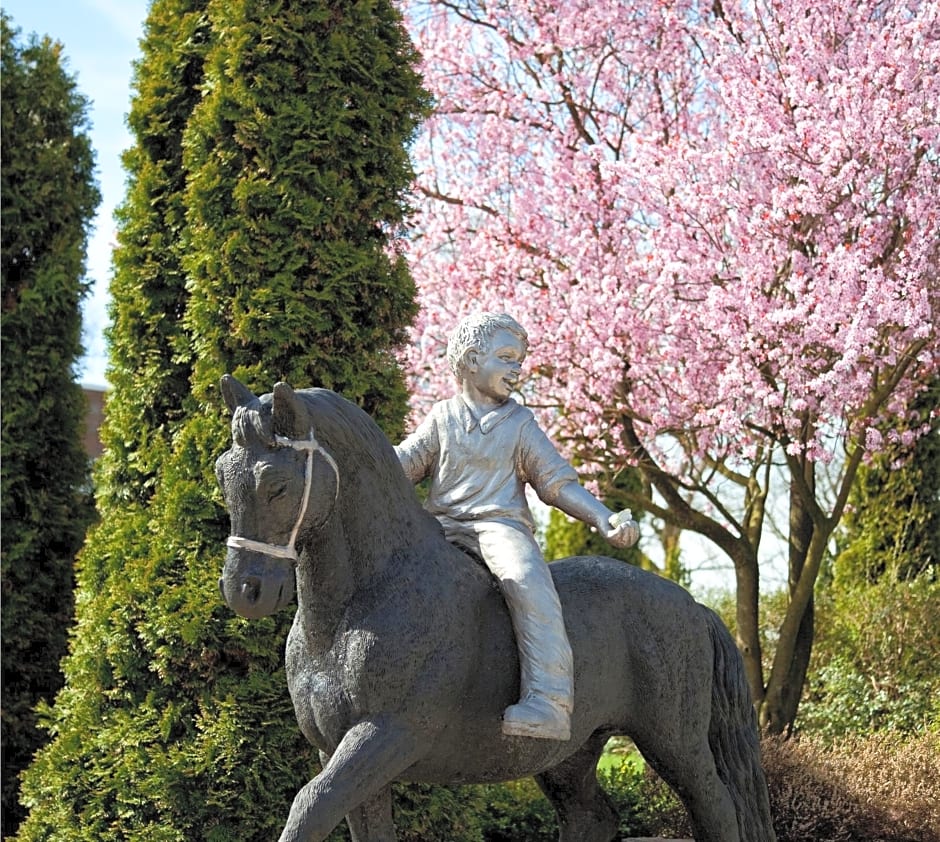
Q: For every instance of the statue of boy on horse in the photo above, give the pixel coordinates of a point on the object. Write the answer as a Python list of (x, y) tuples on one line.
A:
[(480, 449)]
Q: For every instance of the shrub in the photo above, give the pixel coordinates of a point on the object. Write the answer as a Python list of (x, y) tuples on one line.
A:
[(517, 812), (874, 663), (647, 807), (877, 788), (425, 813)]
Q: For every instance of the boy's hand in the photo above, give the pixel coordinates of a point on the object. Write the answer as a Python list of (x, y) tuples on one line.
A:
[(624, 531)]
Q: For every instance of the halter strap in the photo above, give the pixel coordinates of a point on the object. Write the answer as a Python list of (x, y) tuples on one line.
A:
[(289, 550)]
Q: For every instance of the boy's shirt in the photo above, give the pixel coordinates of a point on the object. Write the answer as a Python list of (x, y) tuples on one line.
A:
[(479, 469)]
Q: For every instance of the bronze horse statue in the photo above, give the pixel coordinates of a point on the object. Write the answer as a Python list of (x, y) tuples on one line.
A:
[(401, 657)]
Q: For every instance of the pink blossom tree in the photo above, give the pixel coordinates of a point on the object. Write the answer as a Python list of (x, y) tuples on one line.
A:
[(720, 222)]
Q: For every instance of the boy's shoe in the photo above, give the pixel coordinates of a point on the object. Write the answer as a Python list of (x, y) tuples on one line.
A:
[(536, 716)]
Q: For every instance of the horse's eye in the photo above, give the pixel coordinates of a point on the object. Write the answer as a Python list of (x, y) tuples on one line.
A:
[(277, 491)]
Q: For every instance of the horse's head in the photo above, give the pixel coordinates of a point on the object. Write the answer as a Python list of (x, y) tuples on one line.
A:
[(278, 484)]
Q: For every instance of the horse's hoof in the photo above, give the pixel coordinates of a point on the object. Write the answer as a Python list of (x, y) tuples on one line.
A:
[(537, 717)]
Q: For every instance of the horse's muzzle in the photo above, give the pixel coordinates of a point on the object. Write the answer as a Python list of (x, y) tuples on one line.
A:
[(254, 595)]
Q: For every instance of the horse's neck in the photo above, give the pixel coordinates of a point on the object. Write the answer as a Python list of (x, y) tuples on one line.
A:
[(356, 555), (326, 583), (376, 518), (338, 566)]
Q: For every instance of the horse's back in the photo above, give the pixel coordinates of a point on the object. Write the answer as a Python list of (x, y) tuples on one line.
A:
[(640, 643), (635, 638)]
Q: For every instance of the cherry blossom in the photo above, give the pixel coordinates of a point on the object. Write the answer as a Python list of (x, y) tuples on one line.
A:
[(719, 222)]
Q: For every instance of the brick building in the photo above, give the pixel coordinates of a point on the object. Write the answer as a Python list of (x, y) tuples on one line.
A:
[(94, 395)]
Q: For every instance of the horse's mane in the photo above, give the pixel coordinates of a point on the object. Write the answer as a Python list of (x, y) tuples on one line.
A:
[(354, 439), (350, 428)]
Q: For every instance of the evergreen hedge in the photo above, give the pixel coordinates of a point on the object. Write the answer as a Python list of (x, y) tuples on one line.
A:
[(267, 182), (892, 527), (49, 201)]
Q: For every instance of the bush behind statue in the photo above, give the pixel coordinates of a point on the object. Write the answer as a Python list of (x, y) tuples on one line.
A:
[(879, 787)]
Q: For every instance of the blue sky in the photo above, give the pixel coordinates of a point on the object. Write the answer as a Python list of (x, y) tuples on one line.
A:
[(100, 41)]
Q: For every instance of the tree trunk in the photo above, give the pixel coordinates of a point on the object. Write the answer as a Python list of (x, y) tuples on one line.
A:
[(747, 616), (789, 671), (793, 688)]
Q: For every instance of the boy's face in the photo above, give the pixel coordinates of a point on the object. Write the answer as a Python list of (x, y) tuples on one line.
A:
[(494, 371)]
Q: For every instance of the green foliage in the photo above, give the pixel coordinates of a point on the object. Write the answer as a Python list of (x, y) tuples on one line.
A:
[(265, 184), (426, 813), (49, 200), (299, 172), (893, 523), (874, 659), (518, 811), (874, 665), (149, 363), (645, 804)]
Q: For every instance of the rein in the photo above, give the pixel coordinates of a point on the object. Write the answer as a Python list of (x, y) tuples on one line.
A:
[(289, 550)]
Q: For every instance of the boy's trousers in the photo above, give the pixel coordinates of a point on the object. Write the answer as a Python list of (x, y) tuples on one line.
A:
[(512, 554)]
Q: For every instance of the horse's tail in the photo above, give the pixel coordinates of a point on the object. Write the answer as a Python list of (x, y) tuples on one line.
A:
[(734, 740)]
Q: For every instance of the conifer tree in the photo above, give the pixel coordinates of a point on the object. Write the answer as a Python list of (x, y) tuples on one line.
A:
[(298, 177), (268, 181), (148, 366), (49, 200)]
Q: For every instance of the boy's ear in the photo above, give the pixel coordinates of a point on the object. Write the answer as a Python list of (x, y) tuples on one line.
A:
[(471, 359)]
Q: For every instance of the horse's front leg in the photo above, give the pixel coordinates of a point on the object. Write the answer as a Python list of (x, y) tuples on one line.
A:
[(369, 757), (371, 821)]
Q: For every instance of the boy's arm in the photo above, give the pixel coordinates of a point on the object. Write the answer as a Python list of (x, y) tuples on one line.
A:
[(575, 500), (418, 451), (557, 484)]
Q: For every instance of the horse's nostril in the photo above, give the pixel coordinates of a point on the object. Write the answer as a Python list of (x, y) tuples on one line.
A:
[(222, 587), (251, 588)]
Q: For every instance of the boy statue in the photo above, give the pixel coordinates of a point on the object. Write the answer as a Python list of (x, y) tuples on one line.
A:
[(480, 448)]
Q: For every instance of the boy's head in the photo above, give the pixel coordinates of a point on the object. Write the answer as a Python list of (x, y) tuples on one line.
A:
[(474, 333)]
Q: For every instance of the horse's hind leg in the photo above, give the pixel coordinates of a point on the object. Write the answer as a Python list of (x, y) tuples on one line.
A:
[(691, 772), (585, 813)]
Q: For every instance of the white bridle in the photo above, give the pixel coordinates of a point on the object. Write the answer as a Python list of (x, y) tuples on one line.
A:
[(289, 550)]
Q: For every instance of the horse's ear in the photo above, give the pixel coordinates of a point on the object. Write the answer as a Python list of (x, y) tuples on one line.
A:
[(234, 393), (290, 412)]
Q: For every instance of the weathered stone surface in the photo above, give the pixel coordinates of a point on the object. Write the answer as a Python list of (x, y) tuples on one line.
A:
[(402, 657)]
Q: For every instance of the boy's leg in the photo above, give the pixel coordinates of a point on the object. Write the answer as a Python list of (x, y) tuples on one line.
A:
[(547, 692)]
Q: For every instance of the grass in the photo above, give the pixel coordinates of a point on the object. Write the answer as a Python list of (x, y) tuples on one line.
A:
[(619, 752)]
